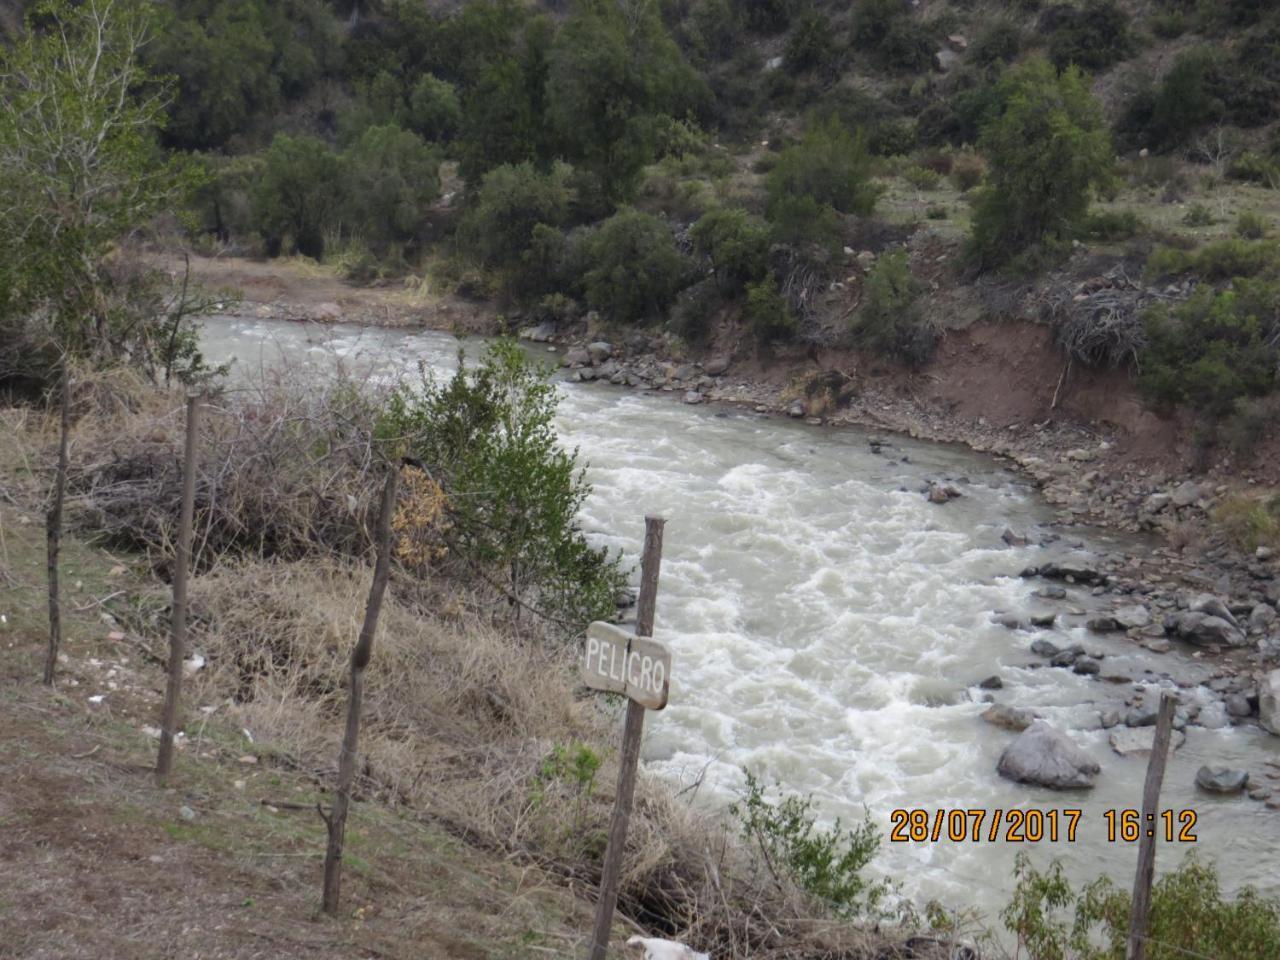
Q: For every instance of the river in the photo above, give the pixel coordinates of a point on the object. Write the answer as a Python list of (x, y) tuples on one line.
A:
[(829, 625)]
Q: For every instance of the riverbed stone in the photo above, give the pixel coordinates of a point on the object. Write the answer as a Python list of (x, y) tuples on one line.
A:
[(1131, 741), (796, 409), (1262, 616), (600, 351), (692, 396), (1186, 494), (1221, 779), (1142, 715), (1014, 539), (1046, 757), (1204, 629), (1207, 603), (1103, 624), (1269, 702), (1042, 618), (576, 357), (1133, 616), (1238, 706), (716, 366), (1086, 667), (1011, 718), (991, 683), (1044, 648)]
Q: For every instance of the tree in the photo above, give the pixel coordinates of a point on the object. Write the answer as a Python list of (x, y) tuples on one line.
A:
[(829, 165), (1047, 149), (298, 194), (736, 243), (632, 267), (435, 113), (613, 70), (392, 178), (78, 118), (488, 437)]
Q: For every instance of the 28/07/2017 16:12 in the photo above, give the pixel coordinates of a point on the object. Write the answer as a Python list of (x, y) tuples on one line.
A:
[(1034, 825)]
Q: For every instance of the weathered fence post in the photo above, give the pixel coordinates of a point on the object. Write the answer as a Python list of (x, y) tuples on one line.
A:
[(1140, 914), (651, 560), (53, 528), (336, 819), (181, 565)]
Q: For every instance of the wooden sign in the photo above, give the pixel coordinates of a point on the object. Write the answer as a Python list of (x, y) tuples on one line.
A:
[(620, 662)]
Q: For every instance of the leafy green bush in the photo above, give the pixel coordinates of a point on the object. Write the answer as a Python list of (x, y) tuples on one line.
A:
[(1251, 226), (999, 43), (922, 178), (511, 202), (488, 437), (967, 170), (298, 195), (1253, 168), (1047, 149), (434, 111), (828, 169), (766, 16), (736, 243), (392, 178), (694, 308), (1108, 225), (888, 28), (889, 319), (768, 316), (1092, 37), (632, 269), (827, 864), (810, 46), (1198, 215), (1215, 348), (1189, 917), (1251, 522), (1217, 261)]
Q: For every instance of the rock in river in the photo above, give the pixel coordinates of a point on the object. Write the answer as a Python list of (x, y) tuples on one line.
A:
[(1204, 629), (1011, 718), (1269, 702), (1044, 648), (1130, 741), (1221, 779), (1043, 756)]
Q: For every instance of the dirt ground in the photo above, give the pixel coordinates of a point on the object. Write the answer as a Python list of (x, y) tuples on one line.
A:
[(226, 861)]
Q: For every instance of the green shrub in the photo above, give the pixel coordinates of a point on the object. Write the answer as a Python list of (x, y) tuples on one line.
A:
[(1253, 168), (1092, 37), (828, 166), (768, 316), (1185, 100), (936, 213), (801, 221), (998, 43), (488, 436), (811, 46), (1198, 215), (766, 16), (736, 243), (888, 28), (392, 178), (1251, 226), (826, 864), (1247, 425), (1251, 523), (694, 309), (889, 319), (967, 170), (434, 111), (1189, 916), (632, 269), (1109, 225), (511, 202), (1048, 149), (1214, 349), (298, 196), (1218, 261), (922, 178)]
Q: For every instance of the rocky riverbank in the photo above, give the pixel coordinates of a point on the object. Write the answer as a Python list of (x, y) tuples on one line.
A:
[(1183, 586)]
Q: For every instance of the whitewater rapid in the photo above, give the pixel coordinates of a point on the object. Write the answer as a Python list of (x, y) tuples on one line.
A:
[(829, 625)]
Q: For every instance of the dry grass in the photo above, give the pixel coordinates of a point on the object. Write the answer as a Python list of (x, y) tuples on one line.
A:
[(460, 722)]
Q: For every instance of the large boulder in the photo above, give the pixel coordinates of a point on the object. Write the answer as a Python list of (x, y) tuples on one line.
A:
[(1269, 702), (1221, 779), (1134, 615), (1047, 758), (1204, 629), (1186, 494), (1208, 603), (600, 351)]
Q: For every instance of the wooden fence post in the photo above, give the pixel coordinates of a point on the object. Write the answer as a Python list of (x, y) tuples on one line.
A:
[(53, 528), (1140, 913), (181, 565), (336, 818), (650, 561)]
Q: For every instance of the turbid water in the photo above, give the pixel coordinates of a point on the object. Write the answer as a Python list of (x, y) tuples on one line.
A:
[(829, 625)]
